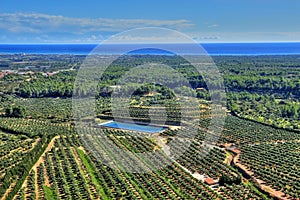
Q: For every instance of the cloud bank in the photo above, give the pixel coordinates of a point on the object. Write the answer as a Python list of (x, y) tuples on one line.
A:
[(44, 26)]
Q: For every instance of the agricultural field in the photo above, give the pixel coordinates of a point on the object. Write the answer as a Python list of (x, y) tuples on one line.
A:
[(44, 154), (64, 169)]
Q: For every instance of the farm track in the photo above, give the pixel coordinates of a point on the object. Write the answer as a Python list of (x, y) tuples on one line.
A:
[(24, 183), (34, 167), (261, 184), (9, 190)]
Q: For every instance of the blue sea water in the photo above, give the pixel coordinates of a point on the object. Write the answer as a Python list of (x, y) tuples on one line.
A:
[(212, 49), (133, 127)]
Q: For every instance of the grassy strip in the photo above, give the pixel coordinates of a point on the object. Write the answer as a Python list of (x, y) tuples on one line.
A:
[(91, 171), (257, 191), (50, 194)]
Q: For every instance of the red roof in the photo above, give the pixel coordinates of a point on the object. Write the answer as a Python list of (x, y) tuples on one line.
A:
[(209, 181), (235, 150)]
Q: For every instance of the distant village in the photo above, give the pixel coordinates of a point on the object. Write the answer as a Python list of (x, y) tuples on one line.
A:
[(27, 71), (23, 64)]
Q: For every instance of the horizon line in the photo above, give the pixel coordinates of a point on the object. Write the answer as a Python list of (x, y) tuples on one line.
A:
[(100, 43)]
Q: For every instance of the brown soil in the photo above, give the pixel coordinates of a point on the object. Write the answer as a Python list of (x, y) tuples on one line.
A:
[(9, 190), (41, 160), (262, 185)]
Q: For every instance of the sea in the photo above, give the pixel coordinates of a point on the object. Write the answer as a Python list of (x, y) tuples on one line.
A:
[(212, 49)]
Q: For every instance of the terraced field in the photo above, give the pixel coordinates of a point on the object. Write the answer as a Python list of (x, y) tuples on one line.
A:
[(65, 169)]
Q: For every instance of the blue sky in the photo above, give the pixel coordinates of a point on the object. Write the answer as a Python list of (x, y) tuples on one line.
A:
[(91, 21)]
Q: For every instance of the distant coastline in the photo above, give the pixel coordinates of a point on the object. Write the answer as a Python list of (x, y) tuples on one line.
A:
[(213, 49)]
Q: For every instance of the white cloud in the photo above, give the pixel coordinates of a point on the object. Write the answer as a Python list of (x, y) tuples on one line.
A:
[(213, 25), (37, 27), (149, 36), (245, 36), (210, 37), (43, 23)]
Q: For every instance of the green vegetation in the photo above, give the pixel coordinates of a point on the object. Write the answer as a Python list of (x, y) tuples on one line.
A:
[(15, 112), (43, 157), (261, 88), (49, 193), (280, 112), (91, 171), (274, 170)]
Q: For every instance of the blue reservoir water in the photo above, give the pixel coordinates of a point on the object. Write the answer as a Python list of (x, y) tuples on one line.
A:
[(133, 127)]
